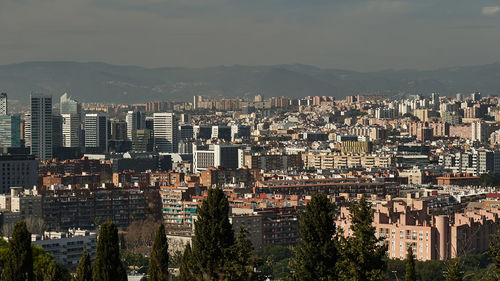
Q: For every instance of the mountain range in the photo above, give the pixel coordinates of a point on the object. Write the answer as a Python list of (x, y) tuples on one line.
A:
[(101, 82)]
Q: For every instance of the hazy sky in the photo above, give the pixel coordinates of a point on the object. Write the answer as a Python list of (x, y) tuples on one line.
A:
[(351, 34)]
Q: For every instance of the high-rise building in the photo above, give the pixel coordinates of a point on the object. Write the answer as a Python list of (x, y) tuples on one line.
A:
[(41, 126), (3, 104), (479, 131), (57, 137), (118, 130), (135, 120), (68, 105), (10, 131), (27, 130), (165, 132), (96, 133), (142, 140), (215, 155), (71, 130)]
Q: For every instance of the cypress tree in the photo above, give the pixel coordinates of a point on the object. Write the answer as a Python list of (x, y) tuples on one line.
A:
[(494, 253), (454, 272), (410, 266), (363, 255), (213, 238), (186, 268), (158, 266), (19, 266), (240, 266), (84, 270), (107, 265), (316, 254)]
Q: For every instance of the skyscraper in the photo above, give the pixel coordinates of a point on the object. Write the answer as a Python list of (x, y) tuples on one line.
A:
[(3, 104), (96, 133), (135, 120), (71, 130), (165, 132), (41, 126), (10, 131), (68, 106)]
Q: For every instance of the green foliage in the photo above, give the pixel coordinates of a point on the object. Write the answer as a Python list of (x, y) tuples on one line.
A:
[(240, 265), (158, 266), (316, 254), (84, 270), (490, 179), (362, 254), (136, 260), (494, 253), (185, 268), (410, 266), (274, 261), (454, 270), (19, 264), (107, 265), (213, 238), (56, 272)]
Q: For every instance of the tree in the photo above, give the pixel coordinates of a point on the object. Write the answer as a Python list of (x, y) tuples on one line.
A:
[(316, 254), (56, 272), (213, 238), (185, 267), (158, 266), (454, 272), (240, 267), (19, 266), (107, 265), (411, 275), (84, 270), (362, 254), (494, 253)]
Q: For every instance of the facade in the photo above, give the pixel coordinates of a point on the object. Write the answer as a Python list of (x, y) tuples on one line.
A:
[(41, 126), (17, 170), (10, 131), (402, 225), (68, 106), (135, 120), (214, 155), (357, 147), (67, 247), (328, 161), (165, 132), (71, 130), (66, 207), (142, 140), (96, 133)]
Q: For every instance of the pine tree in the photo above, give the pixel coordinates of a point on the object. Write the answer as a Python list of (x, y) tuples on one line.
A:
[(410, 266), (19, 266), (242, 259), (213, 238), (56, 272), (454, 272), (363, 255), (107, 265), (316, 254), (494, 253), (158, 266), (84, 270)]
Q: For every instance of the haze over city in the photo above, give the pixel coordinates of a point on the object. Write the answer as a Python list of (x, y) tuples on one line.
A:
[(361, 35)]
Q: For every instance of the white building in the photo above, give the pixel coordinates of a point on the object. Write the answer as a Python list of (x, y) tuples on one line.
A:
[(96, 133), (67, 247), (135, 120), (71, 130), (165, 132), (214, 155)]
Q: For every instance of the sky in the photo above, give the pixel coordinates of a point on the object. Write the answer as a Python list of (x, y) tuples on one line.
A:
[(363, 35)]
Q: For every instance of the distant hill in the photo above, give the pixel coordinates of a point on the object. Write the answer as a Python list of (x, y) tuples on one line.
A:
[(95, 81)]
